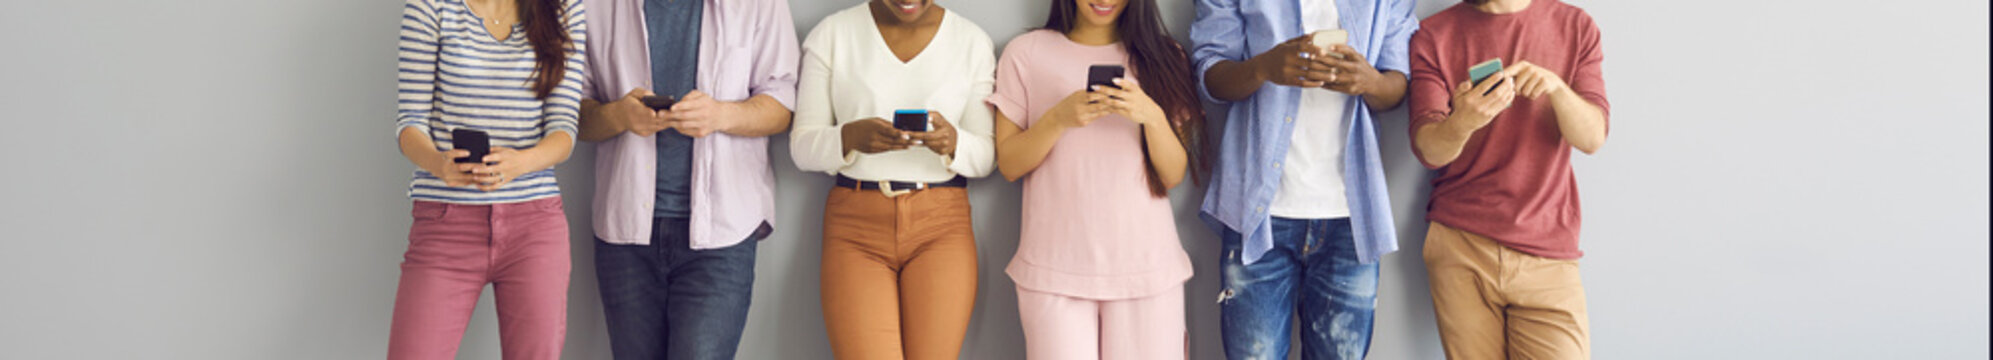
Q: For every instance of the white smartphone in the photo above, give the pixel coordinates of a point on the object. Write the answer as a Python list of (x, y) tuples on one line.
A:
[(1329, 38)]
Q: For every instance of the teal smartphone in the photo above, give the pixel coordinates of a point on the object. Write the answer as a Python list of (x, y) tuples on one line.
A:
[(1483, 70)]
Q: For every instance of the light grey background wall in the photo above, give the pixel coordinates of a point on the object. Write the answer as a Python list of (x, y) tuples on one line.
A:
[(217, 180)]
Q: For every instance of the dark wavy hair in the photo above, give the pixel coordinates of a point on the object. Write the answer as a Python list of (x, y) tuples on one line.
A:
[(1163, 68), (546, 29)]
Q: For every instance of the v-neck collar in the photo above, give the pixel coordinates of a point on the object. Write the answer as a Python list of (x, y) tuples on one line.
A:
[(517, 27), (873, 24)]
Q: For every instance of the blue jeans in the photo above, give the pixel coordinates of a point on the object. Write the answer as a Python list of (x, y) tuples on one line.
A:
[(1312, 268), (667, 301)]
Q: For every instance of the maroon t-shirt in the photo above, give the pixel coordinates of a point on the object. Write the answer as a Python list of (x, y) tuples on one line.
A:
[(1513, 180)]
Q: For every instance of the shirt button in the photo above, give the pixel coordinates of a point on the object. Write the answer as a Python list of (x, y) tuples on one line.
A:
[(1276, 164), (1290, 119), (1259, 209)]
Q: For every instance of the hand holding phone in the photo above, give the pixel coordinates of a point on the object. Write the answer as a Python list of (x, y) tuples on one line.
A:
[(1477, 110), (911, 120), (659, 102), (1482, 71), (940, 135), (1103, 75), (1288, 63), (478, 143), (874, 135), (1325, 39)]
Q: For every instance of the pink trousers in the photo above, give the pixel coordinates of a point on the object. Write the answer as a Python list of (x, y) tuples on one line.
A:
[(521, 249), (1058, 327)]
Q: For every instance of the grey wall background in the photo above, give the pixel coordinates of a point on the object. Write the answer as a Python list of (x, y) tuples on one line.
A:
[(217, 180)]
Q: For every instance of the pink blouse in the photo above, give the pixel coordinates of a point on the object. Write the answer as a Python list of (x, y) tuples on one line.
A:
[(1091, 229)]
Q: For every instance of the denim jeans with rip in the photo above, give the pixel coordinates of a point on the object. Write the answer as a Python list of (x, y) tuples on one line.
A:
[(1312, 270)]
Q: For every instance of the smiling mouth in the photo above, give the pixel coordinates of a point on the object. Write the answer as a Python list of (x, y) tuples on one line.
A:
[(1102, 10), (909, 7)]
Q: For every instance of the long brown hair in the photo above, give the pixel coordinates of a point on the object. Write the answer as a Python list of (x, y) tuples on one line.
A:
[(546, 29), (1163, 69)]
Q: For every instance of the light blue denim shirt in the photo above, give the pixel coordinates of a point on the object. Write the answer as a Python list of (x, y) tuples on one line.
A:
[(1258, 130)]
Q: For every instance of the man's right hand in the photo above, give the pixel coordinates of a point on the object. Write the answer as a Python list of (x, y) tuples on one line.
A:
[(874, 135), (1285, 65), (1474, 106), (629, 114)]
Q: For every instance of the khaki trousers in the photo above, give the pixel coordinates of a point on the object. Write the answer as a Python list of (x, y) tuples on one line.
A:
[(1497, 303)]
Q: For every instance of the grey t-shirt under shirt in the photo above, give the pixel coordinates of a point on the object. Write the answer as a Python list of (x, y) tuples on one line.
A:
[(674, 56)]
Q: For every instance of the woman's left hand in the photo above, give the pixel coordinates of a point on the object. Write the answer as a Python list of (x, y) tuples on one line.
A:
[(500, 168), (942, 139), (1131, 102)]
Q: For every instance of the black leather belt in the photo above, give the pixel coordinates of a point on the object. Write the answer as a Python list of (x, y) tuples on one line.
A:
[(958, 181)]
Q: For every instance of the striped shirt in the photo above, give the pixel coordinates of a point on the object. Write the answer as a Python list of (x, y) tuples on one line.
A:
[(456, 74)]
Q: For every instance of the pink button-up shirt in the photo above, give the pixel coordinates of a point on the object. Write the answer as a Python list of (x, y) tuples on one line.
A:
[(746, 48)]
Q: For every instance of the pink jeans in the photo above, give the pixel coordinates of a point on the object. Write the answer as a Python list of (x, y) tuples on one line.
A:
[(521, 249), (1058, 327)]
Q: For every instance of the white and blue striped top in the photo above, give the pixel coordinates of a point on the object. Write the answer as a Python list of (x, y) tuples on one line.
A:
[(456, 74)]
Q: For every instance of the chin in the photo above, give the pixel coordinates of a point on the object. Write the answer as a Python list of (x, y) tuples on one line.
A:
[(1091, 20)]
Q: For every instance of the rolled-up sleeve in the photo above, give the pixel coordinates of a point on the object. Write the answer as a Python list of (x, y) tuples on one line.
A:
[(1588, 77), (416, 60), (1218, 34), (598, 56), (1431, 96), (1399, 25), (562, 108), (776, 62), (1010, 95)]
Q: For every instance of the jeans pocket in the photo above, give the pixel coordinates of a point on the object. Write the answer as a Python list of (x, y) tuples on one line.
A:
[(428, 210)]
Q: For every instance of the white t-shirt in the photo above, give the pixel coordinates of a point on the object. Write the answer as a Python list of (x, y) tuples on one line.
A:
[(1311, 182), (850, 74)]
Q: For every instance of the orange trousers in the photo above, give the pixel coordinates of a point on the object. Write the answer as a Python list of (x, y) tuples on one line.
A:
[(899, 273)]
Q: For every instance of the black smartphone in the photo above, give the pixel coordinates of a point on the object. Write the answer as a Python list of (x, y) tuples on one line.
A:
[(477, 142), (1103, 75), (913, 120), (660, 102)]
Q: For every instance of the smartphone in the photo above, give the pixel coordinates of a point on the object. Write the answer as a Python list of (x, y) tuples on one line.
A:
[(1328, 38), (659, 102), (914, 120), (1103, 75), (1483, 70), (477, 142)]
